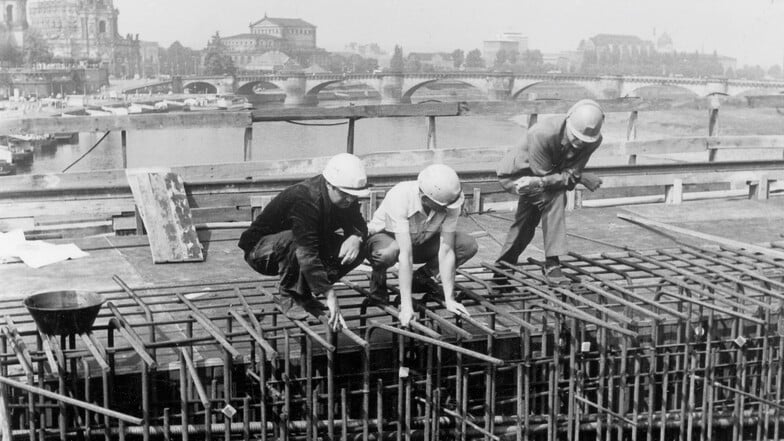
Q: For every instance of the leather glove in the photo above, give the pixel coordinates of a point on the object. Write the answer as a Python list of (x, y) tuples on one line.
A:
[(591, 181)]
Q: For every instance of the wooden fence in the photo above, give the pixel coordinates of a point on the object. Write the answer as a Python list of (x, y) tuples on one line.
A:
[(224, 193)]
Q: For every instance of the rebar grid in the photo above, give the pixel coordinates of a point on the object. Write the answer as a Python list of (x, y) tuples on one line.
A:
[(679, 343)]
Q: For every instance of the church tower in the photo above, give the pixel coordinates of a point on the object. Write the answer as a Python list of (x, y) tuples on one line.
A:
[(14, 19)]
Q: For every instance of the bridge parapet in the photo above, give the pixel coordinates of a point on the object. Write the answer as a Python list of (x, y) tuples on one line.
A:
[(397, 87)]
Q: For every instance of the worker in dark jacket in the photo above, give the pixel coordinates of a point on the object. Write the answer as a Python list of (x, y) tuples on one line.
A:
[(311, 235), (549, 161)]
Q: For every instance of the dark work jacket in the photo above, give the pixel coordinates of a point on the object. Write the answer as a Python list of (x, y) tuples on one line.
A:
[(306, 210), (543, 153)]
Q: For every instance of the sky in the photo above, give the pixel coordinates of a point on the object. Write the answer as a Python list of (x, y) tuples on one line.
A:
[(750, 30)]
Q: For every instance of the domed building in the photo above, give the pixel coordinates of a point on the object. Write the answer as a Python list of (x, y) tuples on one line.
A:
[(85, 31), (664, 44)]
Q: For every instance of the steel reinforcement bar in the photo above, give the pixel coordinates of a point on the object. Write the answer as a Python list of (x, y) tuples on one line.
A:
[(679, 343)]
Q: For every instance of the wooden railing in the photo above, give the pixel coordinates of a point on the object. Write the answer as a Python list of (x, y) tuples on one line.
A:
[(224, 193)]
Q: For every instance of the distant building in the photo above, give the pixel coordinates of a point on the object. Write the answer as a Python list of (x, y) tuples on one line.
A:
[(625, 46), (150, 58), (434, 60), (85, 31), (14, 19), (271, 42), (728, 63), (664, 44), (563, 62), (509, 42)]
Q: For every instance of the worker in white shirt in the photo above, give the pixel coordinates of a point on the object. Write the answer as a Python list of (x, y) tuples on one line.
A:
[(417, 223)]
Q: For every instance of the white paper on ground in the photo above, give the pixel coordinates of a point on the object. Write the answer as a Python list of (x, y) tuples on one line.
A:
[(9, 242), (35, 253)]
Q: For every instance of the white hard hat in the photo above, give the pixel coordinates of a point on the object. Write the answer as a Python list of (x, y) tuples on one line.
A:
[(346, 172), (441, 184), (584, 120)]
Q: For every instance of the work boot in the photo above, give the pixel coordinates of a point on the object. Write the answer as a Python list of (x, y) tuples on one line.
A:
[(554, 275), (377, 290), (290, 307), (314, 307), (424, 281)]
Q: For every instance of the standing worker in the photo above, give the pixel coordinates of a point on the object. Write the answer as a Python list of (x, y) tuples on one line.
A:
[(417, 223), (311, 235), (549, 161)]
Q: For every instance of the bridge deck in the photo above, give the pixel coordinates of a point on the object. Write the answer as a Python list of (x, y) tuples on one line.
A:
[(591, 230)]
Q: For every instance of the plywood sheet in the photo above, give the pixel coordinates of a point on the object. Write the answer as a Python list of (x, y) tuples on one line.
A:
[(163, 205)]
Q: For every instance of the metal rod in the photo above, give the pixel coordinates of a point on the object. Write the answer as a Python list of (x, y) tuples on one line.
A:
[(68, 400), (428, 340)]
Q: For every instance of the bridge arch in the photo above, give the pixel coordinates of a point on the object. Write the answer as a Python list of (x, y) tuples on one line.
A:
[(314, 91), (408, 93), (517, 92), (249, 87), (660, 91), (200, 87)]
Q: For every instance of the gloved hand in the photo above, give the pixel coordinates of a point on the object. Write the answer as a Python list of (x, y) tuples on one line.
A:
[(529, 186), (591, 181)]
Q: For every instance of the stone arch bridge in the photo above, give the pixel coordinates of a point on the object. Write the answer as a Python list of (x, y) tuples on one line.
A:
[(397, 88)]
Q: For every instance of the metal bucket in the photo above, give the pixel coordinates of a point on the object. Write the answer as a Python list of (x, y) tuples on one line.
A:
[(64, 312)]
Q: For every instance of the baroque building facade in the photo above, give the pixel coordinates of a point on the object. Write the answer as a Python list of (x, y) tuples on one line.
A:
[(272, 43), (86, 31), (14, 22)]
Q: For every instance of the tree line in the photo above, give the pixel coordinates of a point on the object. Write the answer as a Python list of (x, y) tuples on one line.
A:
[(215, 60)]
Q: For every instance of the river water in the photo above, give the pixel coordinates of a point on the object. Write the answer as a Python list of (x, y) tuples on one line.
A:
[(281, 140), (271, 140)]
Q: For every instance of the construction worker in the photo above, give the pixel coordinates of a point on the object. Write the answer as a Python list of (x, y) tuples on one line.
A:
[(417, 223), (311, 235), (549, 161)]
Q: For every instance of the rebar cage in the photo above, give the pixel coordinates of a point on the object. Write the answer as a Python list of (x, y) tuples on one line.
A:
[(679, 343)]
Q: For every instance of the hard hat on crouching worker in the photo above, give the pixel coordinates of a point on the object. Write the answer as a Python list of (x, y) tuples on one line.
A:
[(441, 184), (584, 121), (347, 173)]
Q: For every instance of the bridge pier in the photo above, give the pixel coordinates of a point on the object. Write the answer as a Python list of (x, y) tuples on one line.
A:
[(177, 84), (609, 87), (717, 86), (295, 87), (392, 89), (499, 88)]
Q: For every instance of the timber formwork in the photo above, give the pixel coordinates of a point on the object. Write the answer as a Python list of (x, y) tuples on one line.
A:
[(683, 343)]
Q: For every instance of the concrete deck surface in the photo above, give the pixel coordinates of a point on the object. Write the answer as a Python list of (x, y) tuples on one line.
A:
[(591, 230)]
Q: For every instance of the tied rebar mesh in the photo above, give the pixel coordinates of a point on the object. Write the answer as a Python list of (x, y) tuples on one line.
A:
[(665, 344)]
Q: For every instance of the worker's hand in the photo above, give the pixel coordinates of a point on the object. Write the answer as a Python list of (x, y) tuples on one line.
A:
[(406, 315), (335, 319), (349, 250), (529, 186), (591, 181), (456, 308)]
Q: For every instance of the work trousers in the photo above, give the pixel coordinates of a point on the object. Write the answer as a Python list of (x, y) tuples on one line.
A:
[(275, 254), (550, 209), (383, 251)]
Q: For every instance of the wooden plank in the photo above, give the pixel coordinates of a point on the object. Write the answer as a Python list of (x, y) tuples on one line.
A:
[(200, 119), (747, 142), (163, 205), (369, 111), (687, 178), (704, 236), (673, 194), (696, 144), (665, 146), (219, 214), (85, 208)]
